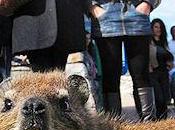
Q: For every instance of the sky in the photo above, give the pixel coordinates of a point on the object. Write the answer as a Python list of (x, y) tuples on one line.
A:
[(166, 12)]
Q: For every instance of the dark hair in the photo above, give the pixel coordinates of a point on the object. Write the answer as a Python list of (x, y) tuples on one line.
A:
[(171, 31), (163, 36)]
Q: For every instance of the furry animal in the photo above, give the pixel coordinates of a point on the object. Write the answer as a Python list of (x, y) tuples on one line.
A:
[(50, 101)]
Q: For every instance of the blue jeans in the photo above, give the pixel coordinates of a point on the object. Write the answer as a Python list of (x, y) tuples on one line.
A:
[(116, 22)]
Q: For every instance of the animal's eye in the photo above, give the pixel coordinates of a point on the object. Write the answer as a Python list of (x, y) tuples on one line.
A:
[(64, 104), (8, 104)]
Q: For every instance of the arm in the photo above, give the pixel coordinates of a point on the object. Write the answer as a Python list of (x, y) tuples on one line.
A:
[(146, 6), (91, 3), (89, 6), (153, 3), (169, 60), (13, 3), (94, 8)]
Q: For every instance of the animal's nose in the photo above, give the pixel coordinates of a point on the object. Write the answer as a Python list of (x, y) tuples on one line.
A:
[(33, 106)]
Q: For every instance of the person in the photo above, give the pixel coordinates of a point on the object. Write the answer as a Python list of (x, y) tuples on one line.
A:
[(127, 21), (161, 61), (52, 24), (171, 44), (95, 71), (5, 46), (50, 37)]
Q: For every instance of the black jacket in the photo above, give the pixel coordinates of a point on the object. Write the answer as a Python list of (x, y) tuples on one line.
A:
[(45, 23), (163, 56), (32, 8), (5, 30)]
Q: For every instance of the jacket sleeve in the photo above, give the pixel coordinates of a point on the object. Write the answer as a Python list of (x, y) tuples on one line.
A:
[(169, 56), (154, 3), (7, 7)]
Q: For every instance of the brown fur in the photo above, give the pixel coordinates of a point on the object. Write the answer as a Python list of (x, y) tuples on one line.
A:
[(54, 85)]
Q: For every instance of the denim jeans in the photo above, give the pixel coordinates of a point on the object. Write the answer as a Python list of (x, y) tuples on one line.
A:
[(116, 22)]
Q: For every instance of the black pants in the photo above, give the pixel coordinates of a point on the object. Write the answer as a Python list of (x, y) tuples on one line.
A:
[(137, 51), (5, 46), (47, 59), (172, 87), (159, 79)]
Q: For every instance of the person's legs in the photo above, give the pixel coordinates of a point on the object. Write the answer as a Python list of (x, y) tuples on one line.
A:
[(172, 86), (59, 58), (158, 80), (41, 59), (137, 101), (5, 46), (165, 93), (137, 49), (5, 61), (2, 66), (47, 59), (110, 50), (154, 81), (8, 59)]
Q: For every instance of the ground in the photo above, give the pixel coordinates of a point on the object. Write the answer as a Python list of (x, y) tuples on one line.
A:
[(129, 111)]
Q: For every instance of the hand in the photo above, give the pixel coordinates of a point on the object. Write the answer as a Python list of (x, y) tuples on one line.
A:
[(1, 2), (150, 68), (4, 2), (144, 8), (97, 11), (170, 65)]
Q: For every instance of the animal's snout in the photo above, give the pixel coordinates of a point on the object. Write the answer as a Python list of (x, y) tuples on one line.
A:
[(34, 113), (33, 106)]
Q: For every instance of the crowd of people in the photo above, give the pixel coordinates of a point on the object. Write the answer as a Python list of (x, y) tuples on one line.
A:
[(52, 35)]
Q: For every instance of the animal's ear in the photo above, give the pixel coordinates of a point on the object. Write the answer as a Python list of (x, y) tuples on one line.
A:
[(78, 86)]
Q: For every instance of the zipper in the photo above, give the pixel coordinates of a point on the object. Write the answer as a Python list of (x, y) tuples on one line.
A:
[(123, 10)]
